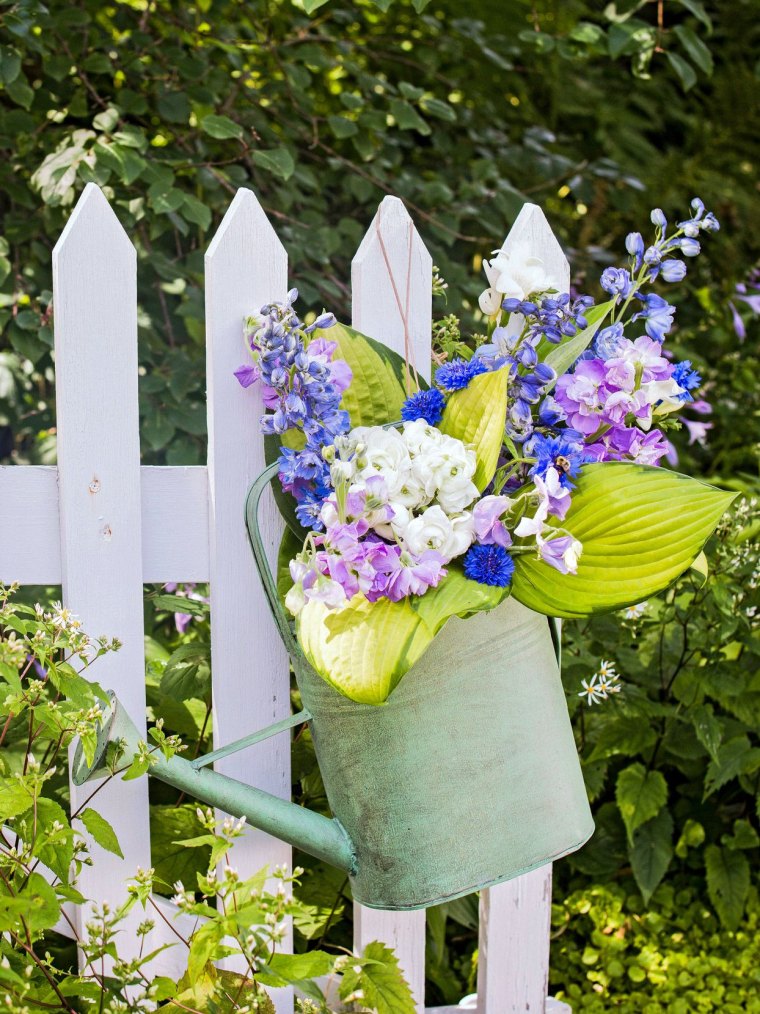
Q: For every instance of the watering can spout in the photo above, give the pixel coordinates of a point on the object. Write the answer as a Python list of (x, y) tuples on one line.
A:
[(119, 742)]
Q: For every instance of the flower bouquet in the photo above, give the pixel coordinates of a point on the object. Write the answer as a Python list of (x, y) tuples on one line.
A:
[(527, 468)]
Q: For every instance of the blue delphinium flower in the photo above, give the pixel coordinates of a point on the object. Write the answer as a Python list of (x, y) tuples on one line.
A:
[(657, 315), (457, 374), (565, 453), (687, 378), (608, 342), (310, 500), (489, 565), (427, 405), (616, 281)]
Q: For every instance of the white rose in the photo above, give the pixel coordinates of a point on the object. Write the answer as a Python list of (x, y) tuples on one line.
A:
[(516, 274), (419, 436), (457, 495), (434, 530), (384, 452)]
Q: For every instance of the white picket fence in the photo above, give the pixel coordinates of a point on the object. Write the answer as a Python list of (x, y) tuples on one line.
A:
[(102, 526)]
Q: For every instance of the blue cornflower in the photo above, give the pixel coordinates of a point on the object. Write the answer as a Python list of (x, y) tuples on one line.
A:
[(427, 405), (457, 374), (561, 452), (687, 378), (489, 565)]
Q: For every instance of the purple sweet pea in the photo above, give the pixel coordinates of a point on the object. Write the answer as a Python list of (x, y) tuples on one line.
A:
[(487, 523), (247, 374), (561, 553)]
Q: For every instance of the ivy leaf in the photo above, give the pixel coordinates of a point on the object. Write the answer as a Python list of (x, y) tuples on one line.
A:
[(640, 526), (221, 127), (640, 796), (101, 831), (475, 415), (278, 161), (728, 877), (651, 852)]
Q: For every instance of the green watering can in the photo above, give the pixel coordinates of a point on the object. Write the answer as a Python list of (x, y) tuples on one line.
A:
[(467, 777)]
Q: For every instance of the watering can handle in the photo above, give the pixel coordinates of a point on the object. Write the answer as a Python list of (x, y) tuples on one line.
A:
[(262, 563)]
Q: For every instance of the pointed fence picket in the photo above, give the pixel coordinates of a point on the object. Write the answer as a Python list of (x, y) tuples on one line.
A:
[(101, 526)]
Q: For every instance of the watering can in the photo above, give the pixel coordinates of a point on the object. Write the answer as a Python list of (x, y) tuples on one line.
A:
[(468, 776)]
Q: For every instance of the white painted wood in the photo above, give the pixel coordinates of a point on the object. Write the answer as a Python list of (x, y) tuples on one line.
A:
[(174, 524), (376, 304), (391, 277), (95, 299), (246, 266), (513, 955), (513, 964)]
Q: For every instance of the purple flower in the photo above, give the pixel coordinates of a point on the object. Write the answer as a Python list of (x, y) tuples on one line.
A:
[(657, 315), (578, 395), (487, 524), (697, 430), (634, 244), (247, 374), (616, 281), (399, 574), (561, 553), (608, 341)]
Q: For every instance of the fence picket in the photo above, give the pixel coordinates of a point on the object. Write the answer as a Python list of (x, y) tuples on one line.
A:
[(95, 297), (391, 278), (513, 952), (246, 266)]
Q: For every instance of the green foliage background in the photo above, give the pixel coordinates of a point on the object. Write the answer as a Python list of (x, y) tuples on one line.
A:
[(597, 114)]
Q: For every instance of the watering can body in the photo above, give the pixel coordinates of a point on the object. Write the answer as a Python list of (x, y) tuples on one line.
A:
[(466, 777)]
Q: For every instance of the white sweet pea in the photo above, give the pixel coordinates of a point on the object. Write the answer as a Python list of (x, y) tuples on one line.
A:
[(668, 393), (516, 274), (395, 528), (434, 530), (489, 302)]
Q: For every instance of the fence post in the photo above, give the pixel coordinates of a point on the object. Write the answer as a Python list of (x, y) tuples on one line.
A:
[(95, 298), (513, 953), (391, 283), (246, 266)]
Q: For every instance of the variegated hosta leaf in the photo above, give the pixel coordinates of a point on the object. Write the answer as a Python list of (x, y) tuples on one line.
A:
[(561, 357), (641, 528), (377, 390), (476, 416), (365, 648)]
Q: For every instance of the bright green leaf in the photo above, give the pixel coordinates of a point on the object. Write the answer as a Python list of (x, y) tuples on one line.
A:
[(640, 796), (379, 977), (692, 836), (101, 831), (734, 758), (284, 969), (312, 5), (171, 857), (475, 415), (561, 357), (15, 797), (640, 526)]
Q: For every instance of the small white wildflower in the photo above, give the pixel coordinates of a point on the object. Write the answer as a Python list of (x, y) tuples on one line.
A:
[(590, 691)]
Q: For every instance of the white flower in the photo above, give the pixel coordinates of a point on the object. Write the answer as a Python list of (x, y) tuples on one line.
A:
[(516, 274), (489, 302), (384, 453), (434, 530), (634, 612), (420, 436), (446, 473), (591, 691), (295, 600), (664, 395)]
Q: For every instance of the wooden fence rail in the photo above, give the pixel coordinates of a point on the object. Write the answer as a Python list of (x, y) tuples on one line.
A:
[(102, 526)]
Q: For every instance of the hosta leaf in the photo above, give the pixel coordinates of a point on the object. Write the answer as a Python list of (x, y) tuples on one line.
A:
[(377, 391), (728, 877), (476, 416), (641, 528), (640, 796), (365, 648)]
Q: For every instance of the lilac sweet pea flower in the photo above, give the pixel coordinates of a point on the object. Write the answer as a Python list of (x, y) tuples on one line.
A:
[(697, 430), (487, 524), (562, 553), (247, 374)]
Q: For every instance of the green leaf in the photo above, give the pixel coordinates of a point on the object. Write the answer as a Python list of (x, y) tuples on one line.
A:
[(684, 70), (181, 604), (101, 831), (42, 909), (728, 877), (378, 975), (312, 5), (640, 796), (696, 8), (625, 735), (221, 127), (289, 969), (561, 357), (10, 64), (476, 416), (744, 836), (365, 648), (651, 852), (734, 758), (203, 947), (275, 160), (692, 836), (377, 391), (342, 127), (173, 860), (640, 526), (187, 673), (708, 729), (407, 117), (695, 49), (196, 211), (15, 797)]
